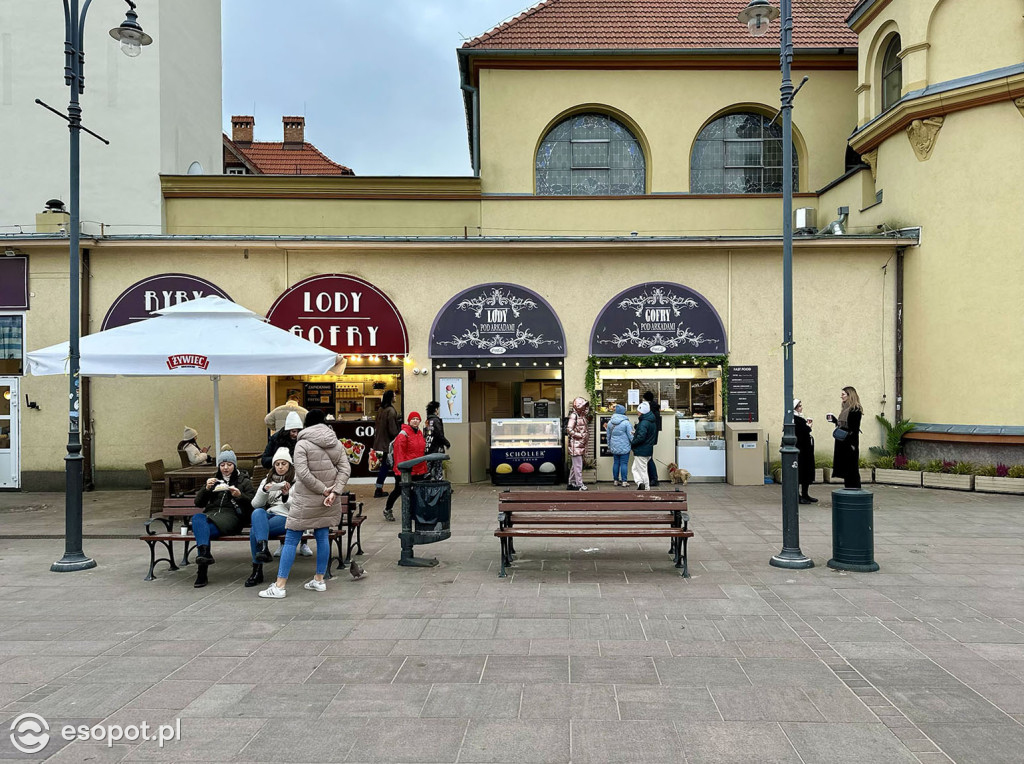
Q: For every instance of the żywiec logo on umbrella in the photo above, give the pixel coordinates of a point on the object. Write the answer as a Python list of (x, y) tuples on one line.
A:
[(186, 361)]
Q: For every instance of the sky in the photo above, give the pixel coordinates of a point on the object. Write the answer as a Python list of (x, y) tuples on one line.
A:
[(378, 82)]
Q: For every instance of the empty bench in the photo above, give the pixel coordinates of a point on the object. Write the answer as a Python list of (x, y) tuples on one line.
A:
[(181, 510), (593, 514)]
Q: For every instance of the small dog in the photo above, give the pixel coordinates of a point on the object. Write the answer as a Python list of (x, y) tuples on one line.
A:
[(677, 475)]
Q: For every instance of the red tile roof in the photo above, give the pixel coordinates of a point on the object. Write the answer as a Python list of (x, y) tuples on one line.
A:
[(662, 24), (272, 158)]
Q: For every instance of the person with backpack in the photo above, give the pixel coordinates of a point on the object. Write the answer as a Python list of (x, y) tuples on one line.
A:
[(436, 442), (408, 444), (643, 445), (578, 432), (652, 466), (620, 441), (386, 426)]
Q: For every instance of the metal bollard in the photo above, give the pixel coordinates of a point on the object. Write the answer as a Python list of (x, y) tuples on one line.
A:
[(853, 534)]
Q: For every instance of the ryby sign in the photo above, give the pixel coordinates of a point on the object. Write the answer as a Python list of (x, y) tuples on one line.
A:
[(139, 301), (343, 313)]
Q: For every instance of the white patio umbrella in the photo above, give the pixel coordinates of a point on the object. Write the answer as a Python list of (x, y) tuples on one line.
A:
[(210, 337)]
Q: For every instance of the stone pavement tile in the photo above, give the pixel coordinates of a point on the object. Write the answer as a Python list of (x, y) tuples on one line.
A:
[(203, 668), (378, 700), (976, 672), (532, 628), (356, 670), (470, 605), (139, 669), (516, 607), (408, 740), (10, 692), (997, 652), (705, 649), (303, 740), (1007, 697), (292, 648), (846, 743), (387, 628), (203, 740), (780, 704), (230, 647), (426, 646), (171, 694), (218, 700), (28, 669), (773, 650), (494, 646), (303, 701), (425, 669), (756, 630), (80, 700), (94, 753), (282, 668), (597, 742), (842, 631), (460, 628), (624, 670), (166, 648), (68, 647), (838, 704), (313, 630), (678, 628), (611, 628), (603, 605), (638, 648), (568, 701), (788, 672), (667, 703), (762, 742), (904, 673), (943, 704), (540, 741), (529, 669), (565, 647), (915, 632), (878, 650), (969, 743), (358, 647), (982, 631), (701, 672), (410, 607), (480, 701)]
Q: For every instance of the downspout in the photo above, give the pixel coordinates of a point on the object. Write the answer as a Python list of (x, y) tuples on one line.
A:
[(85, 397), (898, 385), (475, 94)]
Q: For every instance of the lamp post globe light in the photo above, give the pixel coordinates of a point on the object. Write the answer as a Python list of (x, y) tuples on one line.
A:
[(757, 17), (132, 39)]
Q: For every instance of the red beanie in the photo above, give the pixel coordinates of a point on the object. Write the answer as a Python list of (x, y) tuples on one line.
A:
[(414, 415)]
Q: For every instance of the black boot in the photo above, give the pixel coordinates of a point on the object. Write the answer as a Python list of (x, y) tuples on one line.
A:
[(257, 573), (263, 554), (378, 493), (201, 579), (389, 515), (204, 556)]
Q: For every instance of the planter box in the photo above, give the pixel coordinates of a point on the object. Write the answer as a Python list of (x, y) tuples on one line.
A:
[(867, 475), (898, 477), (945, 480), (999, 484), (819, 475)]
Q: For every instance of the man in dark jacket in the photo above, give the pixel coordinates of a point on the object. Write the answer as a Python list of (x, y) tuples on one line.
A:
[(436, 442), (283, 438), (652, 466)]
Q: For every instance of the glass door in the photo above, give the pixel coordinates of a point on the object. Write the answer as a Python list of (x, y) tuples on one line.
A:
[(10, 471)]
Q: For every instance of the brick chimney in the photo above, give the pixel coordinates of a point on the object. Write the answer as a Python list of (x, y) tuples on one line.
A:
[(294, 132), (241, 129)]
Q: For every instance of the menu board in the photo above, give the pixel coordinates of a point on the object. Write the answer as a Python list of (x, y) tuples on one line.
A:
[(318, 395), (742, 394), (602, 429)]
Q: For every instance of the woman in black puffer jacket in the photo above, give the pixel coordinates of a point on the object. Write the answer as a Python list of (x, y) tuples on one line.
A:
[(226, 499)]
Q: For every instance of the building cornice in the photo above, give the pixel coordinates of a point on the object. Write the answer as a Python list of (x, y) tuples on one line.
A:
[(318, 186), (865, 13)]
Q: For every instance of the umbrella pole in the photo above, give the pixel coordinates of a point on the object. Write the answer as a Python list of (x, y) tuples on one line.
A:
[(216, 415)]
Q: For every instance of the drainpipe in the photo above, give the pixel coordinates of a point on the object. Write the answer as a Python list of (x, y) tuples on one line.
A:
[(899, 333), (475, 93), (85, 400)]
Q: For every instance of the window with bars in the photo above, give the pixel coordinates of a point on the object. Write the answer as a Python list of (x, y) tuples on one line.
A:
[(892, 73), (12, 346), (590, 155), (739, 153)]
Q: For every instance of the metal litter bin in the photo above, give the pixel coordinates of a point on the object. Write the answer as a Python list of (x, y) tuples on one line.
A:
[(853, 534), (426, 511)]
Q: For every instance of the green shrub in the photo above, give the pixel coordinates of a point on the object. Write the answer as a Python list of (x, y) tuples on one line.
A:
[(964, 468), (821, 462), (913, 465), (864, 463), (885, 463), (988, 470), (1016, 471), (933, 465), (893, 445)]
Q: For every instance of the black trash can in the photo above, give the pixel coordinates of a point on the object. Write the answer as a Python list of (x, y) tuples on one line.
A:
[(853, 531), (431, 506)]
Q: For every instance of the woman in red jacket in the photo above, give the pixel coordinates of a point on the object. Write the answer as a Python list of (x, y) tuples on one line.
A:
[(409, 444)]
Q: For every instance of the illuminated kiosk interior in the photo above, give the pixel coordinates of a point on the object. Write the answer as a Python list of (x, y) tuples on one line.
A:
[(498, 352)]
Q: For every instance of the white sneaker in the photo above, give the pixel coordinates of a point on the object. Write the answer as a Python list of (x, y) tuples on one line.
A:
[(304, 550), (315, 586), (582, 487), (278, 552), (273, 593)]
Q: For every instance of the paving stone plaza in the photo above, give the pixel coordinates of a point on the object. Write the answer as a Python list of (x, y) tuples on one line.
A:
[(588, 652)]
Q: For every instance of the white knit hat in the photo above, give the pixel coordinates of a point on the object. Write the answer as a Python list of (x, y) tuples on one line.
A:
[(796, 402), (282, 454), (190, 434), (644, 407), (293, 421)]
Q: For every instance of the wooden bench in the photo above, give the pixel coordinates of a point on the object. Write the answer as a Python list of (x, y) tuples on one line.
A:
[(598, 514), (181, 510)]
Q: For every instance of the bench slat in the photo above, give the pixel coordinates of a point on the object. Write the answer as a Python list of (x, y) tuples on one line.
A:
[(597, 506), (596, 532), (533, 497), (580, 518)]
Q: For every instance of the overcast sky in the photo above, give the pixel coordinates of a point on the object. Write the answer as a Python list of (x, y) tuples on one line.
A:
[(378, 83)]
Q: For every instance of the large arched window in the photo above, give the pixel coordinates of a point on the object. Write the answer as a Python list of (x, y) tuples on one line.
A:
[(892, 73), (739, 153), (590, 155)]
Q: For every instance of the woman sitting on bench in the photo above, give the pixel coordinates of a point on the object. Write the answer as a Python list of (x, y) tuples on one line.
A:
[(270, 512), (226, 499)]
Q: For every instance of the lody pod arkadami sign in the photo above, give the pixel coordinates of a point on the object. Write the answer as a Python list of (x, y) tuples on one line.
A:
[(343, 313)]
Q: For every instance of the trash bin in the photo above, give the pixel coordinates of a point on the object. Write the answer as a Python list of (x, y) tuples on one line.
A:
[(744, 455), (431, 506), (426, 511), (853, 534)]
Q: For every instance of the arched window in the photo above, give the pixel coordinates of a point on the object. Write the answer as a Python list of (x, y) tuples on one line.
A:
[(892, 73), (590, 155), (739, 153)]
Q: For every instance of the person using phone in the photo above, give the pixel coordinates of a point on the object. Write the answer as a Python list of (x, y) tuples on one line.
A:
[(270, 512), (846, 457), (226, 500), (805, 444)]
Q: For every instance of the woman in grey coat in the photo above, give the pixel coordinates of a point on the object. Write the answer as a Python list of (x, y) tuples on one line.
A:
[(321, 473)]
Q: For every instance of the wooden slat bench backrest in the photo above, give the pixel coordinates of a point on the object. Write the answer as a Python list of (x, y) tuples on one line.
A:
[(590, 497), (187, 506)]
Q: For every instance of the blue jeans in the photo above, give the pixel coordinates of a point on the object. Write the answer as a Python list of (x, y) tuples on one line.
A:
[(384, 471), (291, 544), (264, 525), (620, 462), (203, 529)]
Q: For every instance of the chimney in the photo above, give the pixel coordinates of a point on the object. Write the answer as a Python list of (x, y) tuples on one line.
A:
[(241, 129), (294, 131)]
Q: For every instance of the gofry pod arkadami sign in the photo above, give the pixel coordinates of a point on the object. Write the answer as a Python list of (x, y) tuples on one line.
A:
[(342, 313)]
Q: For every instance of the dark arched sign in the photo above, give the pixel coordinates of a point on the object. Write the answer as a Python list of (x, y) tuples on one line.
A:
[(139, 301), (497, 320), (658, 317), (342, 313)]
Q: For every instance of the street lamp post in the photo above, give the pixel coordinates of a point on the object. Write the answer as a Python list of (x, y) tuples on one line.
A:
[(757, 16), (132, 38)]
